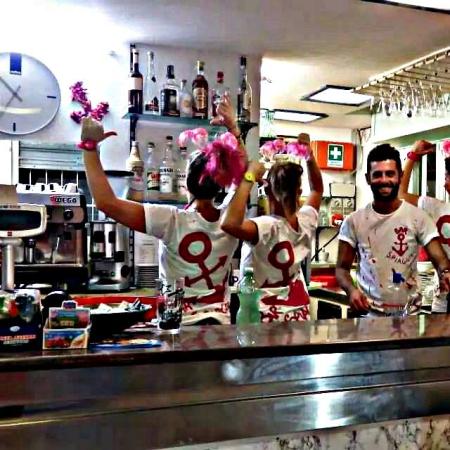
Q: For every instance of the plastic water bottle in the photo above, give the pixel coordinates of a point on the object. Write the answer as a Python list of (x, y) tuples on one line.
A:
[(395, 296), (249, 299)]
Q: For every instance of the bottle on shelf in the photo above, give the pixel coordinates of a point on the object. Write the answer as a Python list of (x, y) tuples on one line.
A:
[(180, 172), (134, 163), (135, 102), (169, 95), (217, 92), (244, 99), (166, 169), (185, 100), (152, 169), (248, 299), (151, 87), (200, 93)]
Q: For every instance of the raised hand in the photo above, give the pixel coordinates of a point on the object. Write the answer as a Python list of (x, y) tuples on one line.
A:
[(92, 130), (422, 147), (225, 114)]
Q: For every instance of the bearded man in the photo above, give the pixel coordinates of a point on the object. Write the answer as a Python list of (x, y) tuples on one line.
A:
[(386, 235)]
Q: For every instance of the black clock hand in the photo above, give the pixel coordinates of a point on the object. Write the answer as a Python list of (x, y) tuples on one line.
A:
[(5, 108), (10, 89)]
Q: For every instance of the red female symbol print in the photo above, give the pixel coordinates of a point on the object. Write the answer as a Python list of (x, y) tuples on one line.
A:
[(283, 266), (402, 247), (200, 258)]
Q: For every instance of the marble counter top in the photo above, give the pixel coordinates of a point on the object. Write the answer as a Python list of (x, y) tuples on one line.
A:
[(265, 340)]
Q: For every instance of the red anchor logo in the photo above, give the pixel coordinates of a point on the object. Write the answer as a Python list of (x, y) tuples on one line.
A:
[(282, 266), (199, 259), (402, 247)]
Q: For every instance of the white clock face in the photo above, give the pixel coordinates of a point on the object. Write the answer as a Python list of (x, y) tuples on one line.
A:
[(29, 94)]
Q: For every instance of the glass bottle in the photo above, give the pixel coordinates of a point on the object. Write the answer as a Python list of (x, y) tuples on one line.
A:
[(244, 103), (166, 169), (185, 100), (169, 95), (180, 172), (217, 92), (135, 164), (151, 87), (200, 93), (248, 299), (135, 86), (395, 296), (152, 169)]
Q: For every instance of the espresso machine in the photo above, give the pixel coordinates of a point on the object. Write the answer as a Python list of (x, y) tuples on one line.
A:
[(58, 256), (109, 256), (20, 318)]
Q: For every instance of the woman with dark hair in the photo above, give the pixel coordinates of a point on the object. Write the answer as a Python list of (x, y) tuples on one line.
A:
[(192, 244), (276, 244)]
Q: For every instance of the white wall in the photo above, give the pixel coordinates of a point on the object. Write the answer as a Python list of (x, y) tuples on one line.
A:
[(104, 73)]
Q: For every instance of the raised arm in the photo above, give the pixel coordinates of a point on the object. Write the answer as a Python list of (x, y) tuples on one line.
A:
[(125, 212), (314, 176), (419, 149), (234, 221), (346, 256)]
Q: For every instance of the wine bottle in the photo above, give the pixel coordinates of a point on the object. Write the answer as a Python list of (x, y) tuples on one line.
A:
[(151, 87), (135, 86), (169, 95), (244, 100), (200, 93), (217, 92)]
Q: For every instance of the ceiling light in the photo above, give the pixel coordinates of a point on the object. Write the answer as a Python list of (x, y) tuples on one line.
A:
[(428, 5), (337, 95), (297, 116)]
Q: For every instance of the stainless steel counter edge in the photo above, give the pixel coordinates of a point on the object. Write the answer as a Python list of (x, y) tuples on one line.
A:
[(265, 340)]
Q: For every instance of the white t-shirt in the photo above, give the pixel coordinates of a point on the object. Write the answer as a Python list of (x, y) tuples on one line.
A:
[(198, 250), (276, 260), (439, 211), (386, 242)]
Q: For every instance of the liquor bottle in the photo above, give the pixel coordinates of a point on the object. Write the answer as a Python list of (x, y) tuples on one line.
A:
[(244, 100), (151, 87), (200, 93), (180, 172), (134, 163), (135, 86), (217, 92), (185, 100), (166, 169), (152, 169), (248, 299), (169, 95)]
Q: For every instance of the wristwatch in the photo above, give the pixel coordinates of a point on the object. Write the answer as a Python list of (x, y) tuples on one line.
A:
[(250, 177)]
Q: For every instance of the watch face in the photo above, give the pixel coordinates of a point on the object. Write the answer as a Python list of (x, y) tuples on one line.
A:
[(29, 94)]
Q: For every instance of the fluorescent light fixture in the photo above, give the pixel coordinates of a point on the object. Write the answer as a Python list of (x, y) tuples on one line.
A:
[(441, 6), (337, 95), (297, 116)]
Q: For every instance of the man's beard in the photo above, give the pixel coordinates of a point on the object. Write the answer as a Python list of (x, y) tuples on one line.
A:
[(382, 197)]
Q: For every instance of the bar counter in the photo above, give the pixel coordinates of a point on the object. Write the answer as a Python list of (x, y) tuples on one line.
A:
[(222, 383)]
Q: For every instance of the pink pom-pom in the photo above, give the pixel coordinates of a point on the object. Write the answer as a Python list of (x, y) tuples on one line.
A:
[(224, 165), (228, 139), (198, 136), (279, 146), (446, 148), (298, 149)]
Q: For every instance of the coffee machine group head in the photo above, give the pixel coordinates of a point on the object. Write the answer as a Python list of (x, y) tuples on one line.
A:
[(109, 256)]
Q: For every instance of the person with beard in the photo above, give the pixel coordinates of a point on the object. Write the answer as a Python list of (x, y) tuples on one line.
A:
[(386, 235)]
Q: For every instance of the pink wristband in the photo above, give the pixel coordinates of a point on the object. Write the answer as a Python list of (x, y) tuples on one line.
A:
[(88, 145), (413, 156)]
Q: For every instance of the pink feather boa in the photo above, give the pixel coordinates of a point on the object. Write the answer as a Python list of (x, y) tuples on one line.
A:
[(224, 160), (278, 147)]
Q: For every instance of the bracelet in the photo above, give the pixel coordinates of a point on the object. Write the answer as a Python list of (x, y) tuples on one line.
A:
[(88, 145), (413, 156)]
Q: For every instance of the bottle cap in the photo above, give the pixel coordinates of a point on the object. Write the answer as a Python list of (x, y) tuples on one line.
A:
[(248, 270), (169, 138), (170, 71), (200, 65), (397, 277), (244, 61), (220, 76)]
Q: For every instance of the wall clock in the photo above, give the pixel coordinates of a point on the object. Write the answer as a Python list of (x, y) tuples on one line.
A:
[(29, 94)]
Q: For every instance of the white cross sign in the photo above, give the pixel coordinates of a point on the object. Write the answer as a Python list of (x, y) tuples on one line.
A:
[(335, 155)]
